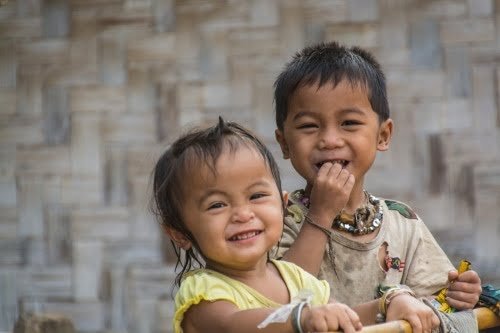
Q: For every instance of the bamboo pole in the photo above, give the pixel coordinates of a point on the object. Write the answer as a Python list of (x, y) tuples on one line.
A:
[(485, 319)]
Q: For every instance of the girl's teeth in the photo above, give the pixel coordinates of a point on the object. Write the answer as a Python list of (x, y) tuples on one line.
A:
[(245, 236)]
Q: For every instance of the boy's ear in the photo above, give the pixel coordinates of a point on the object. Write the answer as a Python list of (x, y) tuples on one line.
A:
[(178, 238), (281, 140), (385, 135), (285, 198)]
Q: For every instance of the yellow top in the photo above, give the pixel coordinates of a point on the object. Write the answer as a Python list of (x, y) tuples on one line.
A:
[(207, 285)]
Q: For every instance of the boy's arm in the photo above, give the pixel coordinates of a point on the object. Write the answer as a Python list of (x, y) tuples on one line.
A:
[(367, 312), (430, 271), (403, 307), (329, 195), (427, 265), (306, 248)]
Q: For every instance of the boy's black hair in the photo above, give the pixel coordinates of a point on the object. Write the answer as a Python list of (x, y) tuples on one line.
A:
[(184, 157), (331, 63)]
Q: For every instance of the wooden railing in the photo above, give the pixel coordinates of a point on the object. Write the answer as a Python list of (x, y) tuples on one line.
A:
[(485, 319)]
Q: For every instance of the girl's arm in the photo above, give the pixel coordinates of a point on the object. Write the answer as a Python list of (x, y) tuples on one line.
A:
[(223, 316)]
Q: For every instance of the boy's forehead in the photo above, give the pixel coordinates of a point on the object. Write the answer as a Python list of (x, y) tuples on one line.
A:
[(343, 92), (355, 85)]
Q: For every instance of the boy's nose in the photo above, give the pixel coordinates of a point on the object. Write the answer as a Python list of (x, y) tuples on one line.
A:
[(242, 214), (330, 139)]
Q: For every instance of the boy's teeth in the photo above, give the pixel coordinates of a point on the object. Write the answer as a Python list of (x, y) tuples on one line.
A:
[(341, 162)]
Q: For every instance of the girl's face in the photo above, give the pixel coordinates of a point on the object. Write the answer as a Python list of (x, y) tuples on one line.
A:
[(236, 215)]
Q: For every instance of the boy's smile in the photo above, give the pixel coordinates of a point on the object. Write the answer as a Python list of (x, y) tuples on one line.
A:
[(343, 163), (332, 124)]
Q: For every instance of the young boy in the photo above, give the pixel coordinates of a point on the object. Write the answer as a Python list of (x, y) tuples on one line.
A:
[(332, 117)]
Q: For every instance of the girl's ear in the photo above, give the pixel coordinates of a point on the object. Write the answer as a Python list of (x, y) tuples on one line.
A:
[(385, 135), (281, 140), (178, 238)]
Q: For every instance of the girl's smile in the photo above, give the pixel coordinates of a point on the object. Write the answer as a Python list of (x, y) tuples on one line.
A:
[(235, 213), (246, 235)]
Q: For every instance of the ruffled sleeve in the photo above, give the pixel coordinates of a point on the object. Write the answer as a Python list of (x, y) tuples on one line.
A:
[(297, 279), (195, 288)]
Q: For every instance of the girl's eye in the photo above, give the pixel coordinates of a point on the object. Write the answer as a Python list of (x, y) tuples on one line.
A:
[(216, 205)]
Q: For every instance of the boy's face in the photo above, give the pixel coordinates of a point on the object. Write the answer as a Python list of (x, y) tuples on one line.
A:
[(236, 216), (332, 124)]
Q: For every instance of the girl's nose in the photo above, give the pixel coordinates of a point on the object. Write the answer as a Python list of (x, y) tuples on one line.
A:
[(242, 214), (330, 139)]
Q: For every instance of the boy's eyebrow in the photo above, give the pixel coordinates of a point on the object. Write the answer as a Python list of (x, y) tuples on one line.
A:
[(260, 183), (305, 113), (352, 110), (301, 114)]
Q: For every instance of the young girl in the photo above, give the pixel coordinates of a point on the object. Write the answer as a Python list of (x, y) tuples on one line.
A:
[(217, 194)]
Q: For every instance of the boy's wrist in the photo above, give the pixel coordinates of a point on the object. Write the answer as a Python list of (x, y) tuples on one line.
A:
[(317, 226), (388, 296), (322, 219)]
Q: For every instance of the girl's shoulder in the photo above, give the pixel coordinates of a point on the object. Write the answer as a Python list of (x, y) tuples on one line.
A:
[(204, 284), (202, 279)]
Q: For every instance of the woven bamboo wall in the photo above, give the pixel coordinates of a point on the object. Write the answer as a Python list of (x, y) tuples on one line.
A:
[(91, 91)]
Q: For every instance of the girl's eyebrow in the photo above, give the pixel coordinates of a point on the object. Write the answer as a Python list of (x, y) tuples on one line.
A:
[(215, 191), (209, 193)]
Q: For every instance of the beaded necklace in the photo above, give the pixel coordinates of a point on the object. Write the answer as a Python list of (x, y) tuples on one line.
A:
[(365, 220)]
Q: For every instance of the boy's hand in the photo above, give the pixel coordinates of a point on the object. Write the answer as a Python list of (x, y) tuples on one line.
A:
[(330, 317), (464, 289), (330, 193), (415, 312)]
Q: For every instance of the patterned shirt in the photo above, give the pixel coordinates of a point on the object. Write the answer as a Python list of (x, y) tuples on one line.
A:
[(412, 255)]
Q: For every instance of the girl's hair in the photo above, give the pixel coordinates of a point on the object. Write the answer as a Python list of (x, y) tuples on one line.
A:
[(184, 157), (331, 63)]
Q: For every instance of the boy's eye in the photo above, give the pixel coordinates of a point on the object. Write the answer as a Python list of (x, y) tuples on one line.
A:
[(257, 196), (307, 125), (350, 122)]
